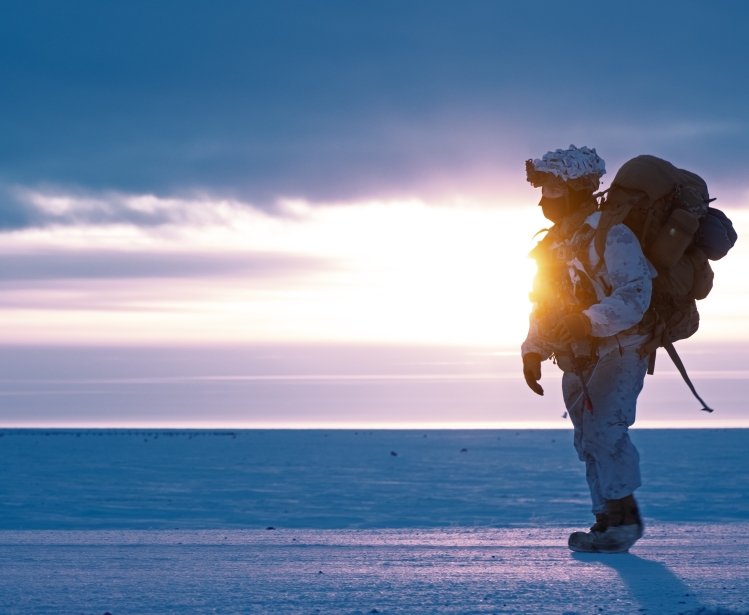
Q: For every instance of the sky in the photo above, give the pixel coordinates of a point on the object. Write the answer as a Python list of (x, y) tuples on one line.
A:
[(200, 177)]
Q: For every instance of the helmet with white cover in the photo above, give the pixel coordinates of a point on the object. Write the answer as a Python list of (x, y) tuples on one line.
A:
[(580, 168)]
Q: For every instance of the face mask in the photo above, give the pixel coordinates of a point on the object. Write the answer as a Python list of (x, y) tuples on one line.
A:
[(554, 209)]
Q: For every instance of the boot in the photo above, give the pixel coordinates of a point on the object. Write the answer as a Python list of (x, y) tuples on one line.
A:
[(602, 522), (614, 531)]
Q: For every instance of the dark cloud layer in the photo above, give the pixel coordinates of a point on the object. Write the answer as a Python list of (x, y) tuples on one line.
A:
[(39, 266), (339, 100)]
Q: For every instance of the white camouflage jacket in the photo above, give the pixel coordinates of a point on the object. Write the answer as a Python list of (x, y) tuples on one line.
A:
[(623, 286)]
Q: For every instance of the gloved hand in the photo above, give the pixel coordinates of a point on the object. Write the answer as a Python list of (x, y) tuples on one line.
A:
[(572, 327), (532, 372)]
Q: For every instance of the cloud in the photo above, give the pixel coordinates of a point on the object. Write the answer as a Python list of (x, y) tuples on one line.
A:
[(49, 207), (340, 101), (56, 206), (14, 213), (40, 266)]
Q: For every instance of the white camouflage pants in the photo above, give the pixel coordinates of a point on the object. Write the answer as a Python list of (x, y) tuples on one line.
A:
[(612, 464)]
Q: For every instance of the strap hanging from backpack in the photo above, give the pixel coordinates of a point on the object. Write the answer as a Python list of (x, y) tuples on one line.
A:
[(671, 350)]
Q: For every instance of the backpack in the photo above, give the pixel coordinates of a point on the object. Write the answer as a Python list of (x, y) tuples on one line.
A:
[(668, 209)]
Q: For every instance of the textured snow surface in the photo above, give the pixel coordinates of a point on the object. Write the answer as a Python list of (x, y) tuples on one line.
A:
[(163, 522), (350, 479), (678, 569)]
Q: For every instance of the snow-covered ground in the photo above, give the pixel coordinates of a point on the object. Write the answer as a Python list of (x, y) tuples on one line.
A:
[(350, 479), (364, 522), (679, 569)]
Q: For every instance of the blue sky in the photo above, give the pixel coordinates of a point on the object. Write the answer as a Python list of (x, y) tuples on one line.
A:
[(343, 100), (335, 173)]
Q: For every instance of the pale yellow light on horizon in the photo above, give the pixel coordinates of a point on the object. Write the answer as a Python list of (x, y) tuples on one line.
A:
[(400, 272)]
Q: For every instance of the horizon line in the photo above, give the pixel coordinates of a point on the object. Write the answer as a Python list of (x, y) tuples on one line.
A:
[(359, 426)]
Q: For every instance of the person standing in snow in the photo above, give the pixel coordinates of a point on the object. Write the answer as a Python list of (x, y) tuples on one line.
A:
[(585, 316)]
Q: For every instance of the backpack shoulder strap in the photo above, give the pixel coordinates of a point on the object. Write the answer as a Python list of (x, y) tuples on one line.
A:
[(616, 204)]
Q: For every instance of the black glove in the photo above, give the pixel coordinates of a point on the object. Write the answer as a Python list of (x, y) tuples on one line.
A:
[(532, 372), (572, 327)]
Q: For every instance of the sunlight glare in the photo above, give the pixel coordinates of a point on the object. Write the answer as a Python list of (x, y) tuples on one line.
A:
[(379, 271)]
